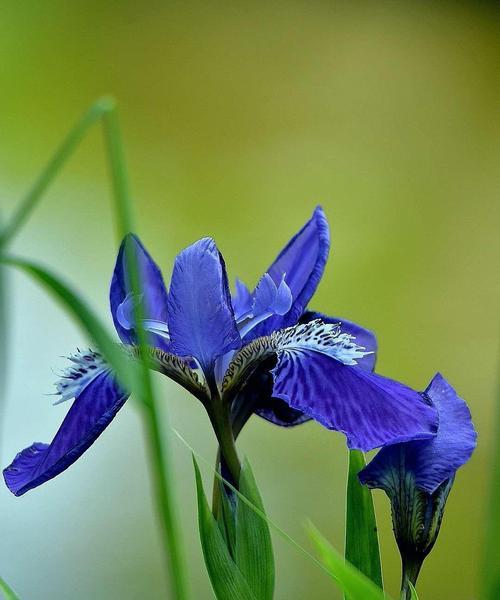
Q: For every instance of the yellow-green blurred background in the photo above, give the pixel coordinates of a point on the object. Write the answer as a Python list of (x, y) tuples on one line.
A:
[(239, 118)]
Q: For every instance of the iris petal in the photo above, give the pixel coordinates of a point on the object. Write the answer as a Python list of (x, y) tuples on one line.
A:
[(370, 409), (89, 415), (303, 261), (83, 369), (153, 293), (363, 337), (272, 298), (258, 393), (433, 461), (200, 314), (242, 299), (276, 410)]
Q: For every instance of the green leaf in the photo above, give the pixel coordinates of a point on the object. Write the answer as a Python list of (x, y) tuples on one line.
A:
[(4, 332), (138, 382), (353, 583), (124, 368), (225, 519), (98, 110), (136, 378), (361, 543), (26, 206), (413, 591), (227, 580), (7, 591), (254, 551)]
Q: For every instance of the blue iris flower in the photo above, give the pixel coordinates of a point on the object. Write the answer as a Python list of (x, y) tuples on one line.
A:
[(417, 476), (256, 352)]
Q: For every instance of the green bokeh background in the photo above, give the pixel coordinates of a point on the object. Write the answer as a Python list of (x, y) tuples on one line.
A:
[(239, 118)]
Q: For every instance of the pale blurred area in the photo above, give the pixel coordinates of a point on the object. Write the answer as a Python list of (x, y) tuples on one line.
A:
[(238, 119)]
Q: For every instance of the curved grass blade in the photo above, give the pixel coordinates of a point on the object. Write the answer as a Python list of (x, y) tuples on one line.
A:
[(7, 591), (47, 176), (361, 543), (105, 109), (84, 315), (156, 438), (355, 584), (4, 332)]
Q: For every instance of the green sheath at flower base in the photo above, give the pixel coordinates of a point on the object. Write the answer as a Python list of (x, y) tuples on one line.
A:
[(237, 543)]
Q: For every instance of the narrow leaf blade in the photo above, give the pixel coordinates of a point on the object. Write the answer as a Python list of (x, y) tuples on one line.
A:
[(4, 332), (7, 591), (225, 518), (125, 369), (51, 170), (352, 582), (361, 544), (227, 580), (254, 551), (413, 591)]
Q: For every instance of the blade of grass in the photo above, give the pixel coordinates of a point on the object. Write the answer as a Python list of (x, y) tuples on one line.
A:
[(7, 591), (83, 314), (118, 173), (49, 173), (353, 572), (361, 544), (4, 333), (156, 437), (354, 583), (130, 378), (105, 109)]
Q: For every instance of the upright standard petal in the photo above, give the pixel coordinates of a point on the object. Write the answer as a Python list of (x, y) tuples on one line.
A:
[(370, 409), (153, 296), (242, 299), (302, 263), (270, 298), (90, 414), (430, 462), (200, 314), (363, 337)]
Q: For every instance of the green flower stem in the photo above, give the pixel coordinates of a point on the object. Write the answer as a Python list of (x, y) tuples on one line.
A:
[(220, 418), (221, 421)]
